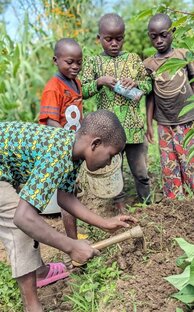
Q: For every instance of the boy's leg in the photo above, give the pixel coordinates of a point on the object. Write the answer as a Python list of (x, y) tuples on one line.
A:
[(136, 157), (24, 255), (70, 224), (28, 289), (171, 171)]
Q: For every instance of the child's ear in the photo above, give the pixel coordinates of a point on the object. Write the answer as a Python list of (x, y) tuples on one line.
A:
[(54, 59), (95, 143)]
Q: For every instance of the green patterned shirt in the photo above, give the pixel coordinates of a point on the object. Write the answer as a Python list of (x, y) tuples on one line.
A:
[(126, 65), (39, 157)]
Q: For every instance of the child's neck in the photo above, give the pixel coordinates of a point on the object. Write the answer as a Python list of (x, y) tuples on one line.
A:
[(65, 77), (120, 53), (168, 51)]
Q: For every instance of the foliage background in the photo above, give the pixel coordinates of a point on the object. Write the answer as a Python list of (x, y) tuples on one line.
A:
[(26, 56)]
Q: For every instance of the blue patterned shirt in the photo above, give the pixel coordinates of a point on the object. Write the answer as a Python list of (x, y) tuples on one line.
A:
[(39, 157)]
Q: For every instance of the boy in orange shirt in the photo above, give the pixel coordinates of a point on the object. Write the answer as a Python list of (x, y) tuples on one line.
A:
[(61, 103)]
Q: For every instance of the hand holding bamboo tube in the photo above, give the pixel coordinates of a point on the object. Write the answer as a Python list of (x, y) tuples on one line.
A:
[(135, 232)]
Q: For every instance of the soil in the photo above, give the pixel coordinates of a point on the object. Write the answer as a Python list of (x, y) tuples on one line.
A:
[(145, 289)]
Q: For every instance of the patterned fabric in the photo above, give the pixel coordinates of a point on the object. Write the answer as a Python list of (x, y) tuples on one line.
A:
[(126, 65), (177, 172), (62, 103), (39, 157)]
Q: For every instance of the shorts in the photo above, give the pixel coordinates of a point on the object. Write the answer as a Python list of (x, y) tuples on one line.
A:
[(23, 251)]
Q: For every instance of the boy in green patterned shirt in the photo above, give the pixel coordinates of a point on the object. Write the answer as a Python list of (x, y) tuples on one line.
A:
[(45, 159), (99, 76)]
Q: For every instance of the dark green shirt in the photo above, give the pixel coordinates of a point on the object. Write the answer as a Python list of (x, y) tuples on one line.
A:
[(126, 65), (39, 157)]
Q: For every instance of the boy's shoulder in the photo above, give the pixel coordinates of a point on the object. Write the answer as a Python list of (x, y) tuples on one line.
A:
[(52, 83), (57, 84), (179, 53), (176, 53), (124, 54)]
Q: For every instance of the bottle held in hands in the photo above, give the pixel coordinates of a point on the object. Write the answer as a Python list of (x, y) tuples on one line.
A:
[(134, 94)]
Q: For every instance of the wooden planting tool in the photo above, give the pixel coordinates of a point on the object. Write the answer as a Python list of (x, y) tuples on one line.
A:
[(135, 232)]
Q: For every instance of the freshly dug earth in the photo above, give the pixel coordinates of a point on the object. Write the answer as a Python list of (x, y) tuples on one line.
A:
[(145, 290)]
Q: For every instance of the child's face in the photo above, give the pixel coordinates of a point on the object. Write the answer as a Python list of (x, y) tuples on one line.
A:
[(112, 39), (160, 36), (100, 156), (69, 61)]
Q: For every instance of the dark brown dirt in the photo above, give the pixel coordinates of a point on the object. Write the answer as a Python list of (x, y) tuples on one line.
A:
[(145, 289)]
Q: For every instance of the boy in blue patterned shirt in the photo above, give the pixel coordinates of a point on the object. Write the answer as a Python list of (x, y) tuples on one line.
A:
[(45, 159)]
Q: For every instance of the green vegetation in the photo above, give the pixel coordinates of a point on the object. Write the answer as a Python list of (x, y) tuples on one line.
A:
[(184, 282), (9, 293), (96, 287)]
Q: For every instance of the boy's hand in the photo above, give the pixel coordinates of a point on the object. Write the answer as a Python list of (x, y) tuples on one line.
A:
[(106, 81), (116, 223), (81, 251), (150, 134), (128, 83)]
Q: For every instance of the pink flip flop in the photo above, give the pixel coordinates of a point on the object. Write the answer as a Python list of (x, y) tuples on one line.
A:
[(57, 271)]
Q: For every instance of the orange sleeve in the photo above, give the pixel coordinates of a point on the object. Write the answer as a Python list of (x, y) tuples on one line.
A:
[(50, 106)]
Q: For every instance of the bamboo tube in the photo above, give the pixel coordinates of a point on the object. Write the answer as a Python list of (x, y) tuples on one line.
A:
[(135, 232)]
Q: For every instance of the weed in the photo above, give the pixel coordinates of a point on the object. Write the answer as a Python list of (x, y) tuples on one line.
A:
[(9, 292), (95, 287)]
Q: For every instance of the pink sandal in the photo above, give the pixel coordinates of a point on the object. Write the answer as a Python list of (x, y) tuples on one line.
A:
[(57, 271)]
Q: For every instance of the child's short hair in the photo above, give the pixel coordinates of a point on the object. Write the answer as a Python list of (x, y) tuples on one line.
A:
[(104, 124), (64, 42), (111, 18), (160, 17)]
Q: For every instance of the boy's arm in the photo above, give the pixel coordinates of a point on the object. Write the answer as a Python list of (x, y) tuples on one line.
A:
[(70, 203), (30, 222), (50, 107), (143, 80), (149, 117), (91, 83)]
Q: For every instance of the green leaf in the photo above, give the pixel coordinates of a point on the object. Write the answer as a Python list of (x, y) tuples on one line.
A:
[(186, 109), (186, 295), (190, 56), (191, 280), (172, 66), (188, 137), (180, 21), (182, 261), (179, 310), (191, 153), (144, 13), (187, 247), (179, 281)]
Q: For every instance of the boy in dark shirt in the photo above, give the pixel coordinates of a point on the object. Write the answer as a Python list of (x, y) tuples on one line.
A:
[(169, 96)]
